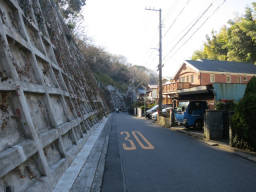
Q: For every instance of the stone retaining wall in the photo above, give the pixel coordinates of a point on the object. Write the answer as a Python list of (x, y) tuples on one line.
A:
[(46, 103)]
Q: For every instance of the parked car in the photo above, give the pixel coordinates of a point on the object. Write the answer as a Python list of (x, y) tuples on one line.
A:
[(150, 111), (164, 111), (154, 115), (154, 109), (192, 115)]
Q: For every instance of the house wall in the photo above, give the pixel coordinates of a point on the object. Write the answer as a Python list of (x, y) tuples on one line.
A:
[(169, 87), (149, 96), (222, 78), (167, 99), (186, 72), (182, 80), (154, 94), (203, 78)]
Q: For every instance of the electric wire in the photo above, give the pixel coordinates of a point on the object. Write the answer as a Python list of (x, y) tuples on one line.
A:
[(202, 24), (176, 18), (174, 21), (173, 6), (165, 17), (190, 28)]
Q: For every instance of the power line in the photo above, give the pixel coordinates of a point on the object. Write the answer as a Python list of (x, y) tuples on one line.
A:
[(202, 24), (197, 20), (174, 4), (176, 18), (151, 52)]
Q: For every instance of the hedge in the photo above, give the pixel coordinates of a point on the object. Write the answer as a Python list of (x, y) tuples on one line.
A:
[(243, 120)]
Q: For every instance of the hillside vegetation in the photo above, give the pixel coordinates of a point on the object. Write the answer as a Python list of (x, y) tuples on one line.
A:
[(114, 70), (107, 68), (235, 42)]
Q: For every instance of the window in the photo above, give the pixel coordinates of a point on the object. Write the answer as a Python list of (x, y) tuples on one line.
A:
[(182, 79), (245, 78), (228, 79), (212, 78), (192, 78), (187, 79)]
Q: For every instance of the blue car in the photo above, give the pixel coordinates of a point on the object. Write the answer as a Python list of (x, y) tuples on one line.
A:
[(193, 115)]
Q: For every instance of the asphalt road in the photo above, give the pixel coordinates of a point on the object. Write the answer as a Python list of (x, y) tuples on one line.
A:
[(143, 157)]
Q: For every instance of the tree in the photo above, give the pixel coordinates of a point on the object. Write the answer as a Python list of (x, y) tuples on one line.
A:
[(114, 69), (234, 43), (70, 10), (243, 124), (215, 47), (241, 34), (70, 7)]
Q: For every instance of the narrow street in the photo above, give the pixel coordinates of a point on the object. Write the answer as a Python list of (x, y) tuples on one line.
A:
[(143, 157)]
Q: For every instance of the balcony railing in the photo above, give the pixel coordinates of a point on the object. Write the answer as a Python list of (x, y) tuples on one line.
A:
[(172, 87)]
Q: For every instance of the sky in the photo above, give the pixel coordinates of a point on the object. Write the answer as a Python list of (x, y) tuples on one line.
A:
[(124, 27)]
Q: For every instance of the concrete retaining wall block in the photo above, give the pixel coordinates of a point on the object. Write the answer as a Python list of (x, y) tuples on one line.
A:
[(47, 104)]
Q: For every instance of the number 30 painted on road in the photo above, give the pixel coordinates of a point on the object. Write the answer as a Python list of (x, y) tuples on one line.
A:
[(136, 135)]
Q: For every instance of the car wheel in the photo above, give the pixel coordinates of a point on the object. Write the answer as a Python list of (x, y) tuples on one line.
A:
[(198, 124)]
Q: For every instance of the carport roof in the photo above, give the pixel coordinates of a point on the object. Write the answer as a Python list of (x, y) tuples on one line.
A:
[(222, 66)]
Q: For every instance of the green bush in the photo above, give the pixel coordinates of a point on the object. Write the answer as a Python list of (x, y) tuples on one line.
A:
[(243, 122), (228, 106), (149, 106)]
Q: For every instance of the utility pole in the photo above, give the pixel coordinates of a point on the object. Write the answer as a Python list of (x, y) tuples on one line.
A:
[(160, 58)]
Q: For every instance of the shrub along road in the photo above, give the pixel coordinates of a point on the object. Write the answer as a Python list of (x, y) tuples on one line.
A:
[(143, 157)]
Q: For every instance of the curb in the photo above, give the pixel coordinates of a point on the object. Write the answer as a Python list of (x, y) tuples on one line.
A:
[(71, 174), (251, 156), (98, 178)]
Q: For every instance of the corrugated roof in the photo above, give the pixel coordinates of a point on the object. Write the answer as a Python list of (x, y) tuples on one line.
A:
[(223, 66)]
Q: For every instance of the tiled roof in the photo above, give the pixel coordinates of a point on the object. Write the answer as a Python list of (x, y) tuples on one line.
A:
[(223, 66)]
